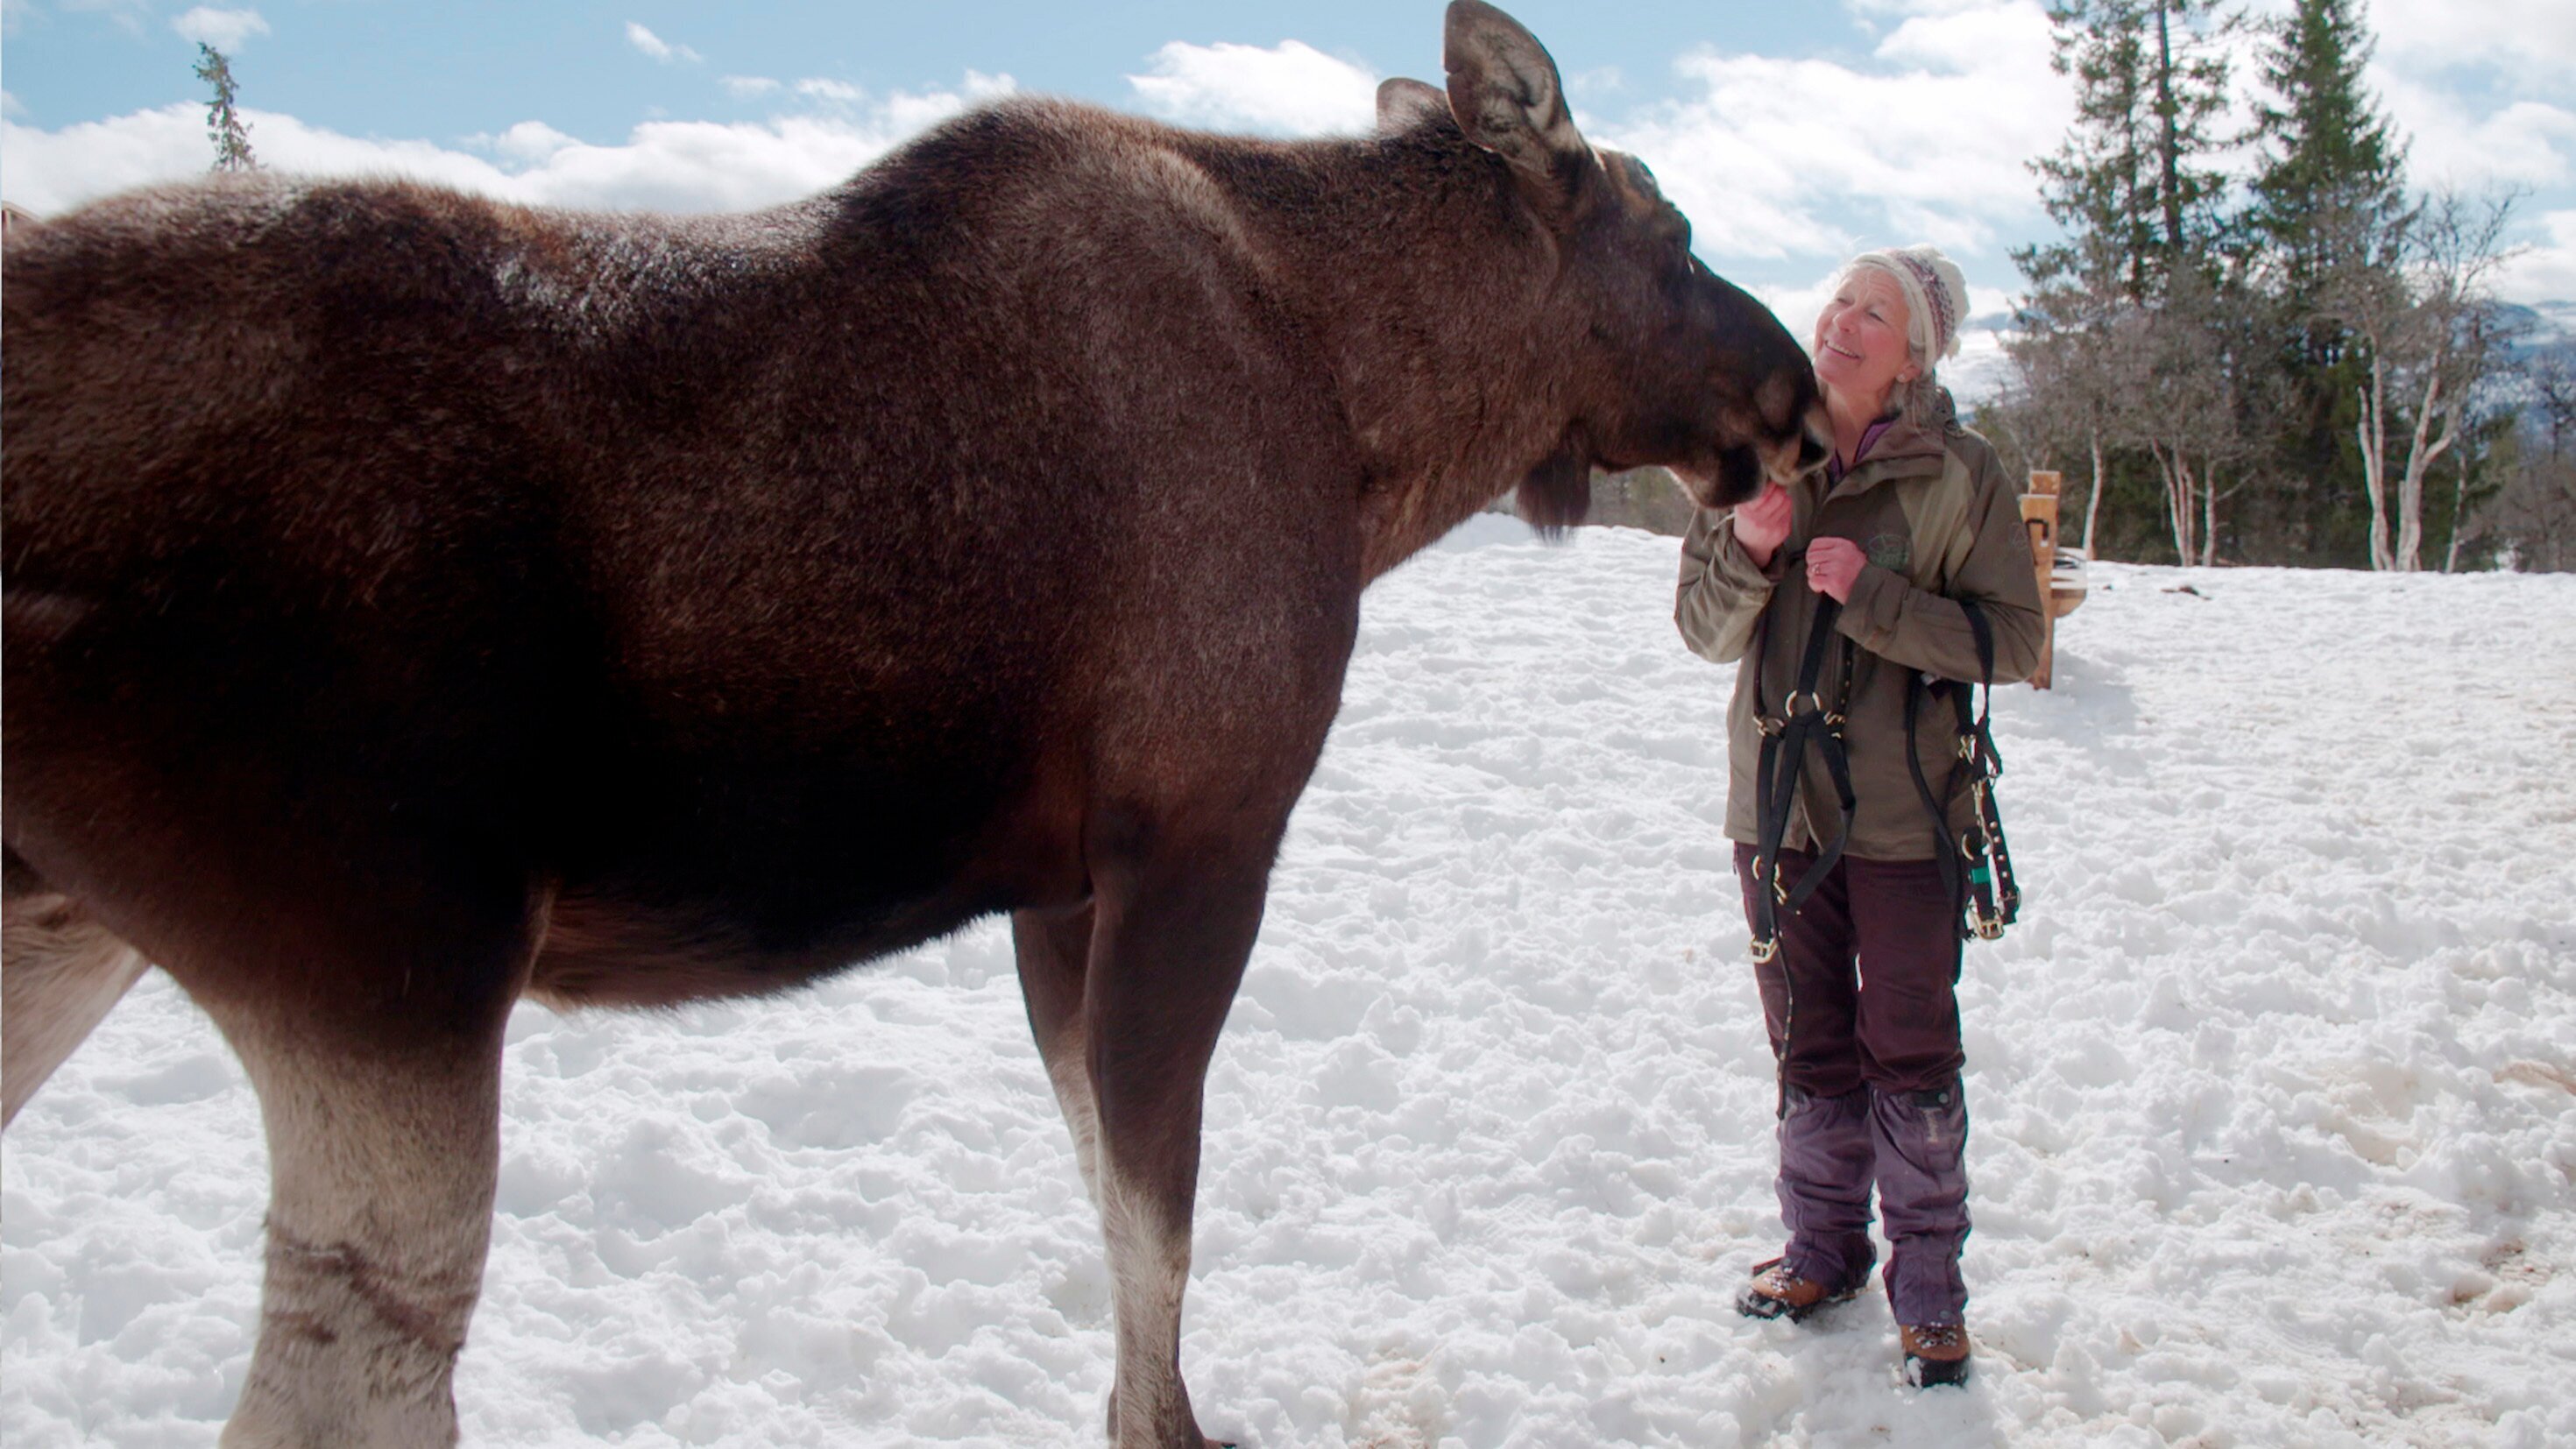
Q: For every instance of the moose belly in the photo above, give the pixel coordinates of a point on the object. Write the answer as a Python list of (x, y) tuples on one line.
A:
[(745, 880)]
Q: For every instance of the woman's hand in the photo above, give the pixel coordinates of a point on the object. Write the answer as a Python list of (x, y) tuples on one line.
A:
[(1762, 525), (1832, 565)]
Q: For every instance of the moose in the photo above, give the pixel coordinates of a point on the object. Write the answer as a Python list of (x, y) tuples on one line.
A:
[(416, 602)]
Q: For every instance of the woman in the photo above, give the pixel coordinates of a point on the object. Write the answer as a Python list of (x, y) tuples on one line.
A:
[(1877, 562)]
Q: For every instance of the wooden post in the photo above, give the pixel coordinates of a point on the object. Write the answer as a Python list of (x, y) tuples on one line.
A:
[(2039, 519)]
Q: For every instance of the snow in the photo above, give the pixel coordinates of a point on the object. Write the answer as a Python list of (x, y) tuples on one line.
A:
[(2274, 1090)]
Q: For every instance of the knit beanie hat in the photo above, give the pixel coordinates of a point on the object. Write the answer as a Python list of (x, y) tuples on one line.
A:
[(1936, 296)]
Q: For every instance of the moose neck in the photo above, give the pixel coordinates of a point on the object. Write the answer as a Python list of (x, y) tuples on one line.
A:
[(1430, 306)]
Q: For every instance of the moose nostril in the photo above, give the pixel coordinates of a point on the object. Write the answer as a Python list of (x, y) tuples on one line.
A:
[(1810, 452), (1739, 475)]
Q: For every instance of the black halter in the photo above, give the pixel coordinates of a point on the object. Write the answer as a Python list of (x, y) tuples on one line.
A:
[(1803, 722), (1976, 867)]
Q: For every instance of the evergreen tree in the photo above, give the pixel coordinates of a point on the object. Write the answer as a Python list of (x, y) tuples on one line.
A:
[(2137, 194), (2333, 167), (223, 123), (2329, 212), (2133, 185)]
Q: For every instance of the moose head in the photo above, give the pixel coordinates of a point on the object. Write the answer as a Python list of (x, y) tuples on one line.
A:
[(1653, 358)]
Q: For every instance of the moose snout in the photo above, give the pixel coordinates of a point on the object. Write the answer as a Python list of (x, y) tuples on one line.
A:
[(1787, 459)]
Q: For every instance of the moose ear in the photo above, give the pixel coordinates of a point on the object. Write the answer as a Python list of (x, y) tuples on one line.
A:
[(1507, 97), (1404, 104)]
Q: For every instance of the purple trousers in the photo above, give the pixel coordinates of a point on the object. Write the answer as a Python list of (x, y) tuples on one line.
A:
[(1864, 1021)]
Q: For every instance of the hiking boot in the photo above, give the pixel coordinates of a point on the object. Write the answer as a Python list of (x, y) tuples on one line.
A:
[(1775, 1292), (1936, 1353)]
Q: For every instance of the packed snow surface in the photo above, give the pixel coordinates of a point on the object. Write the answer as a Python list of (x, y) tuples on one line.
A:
[(2274, 1090)]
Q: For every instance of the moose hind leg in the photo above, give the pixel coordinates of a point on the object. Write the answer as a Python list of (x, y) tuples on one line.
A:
[(61, 972), (1168, 951), (1054, 949)]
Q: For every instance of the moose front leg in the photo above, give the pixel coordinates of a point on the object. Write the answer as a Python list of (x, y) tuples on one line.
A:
[(1168, 949), (379, 1083), (382, 1162)]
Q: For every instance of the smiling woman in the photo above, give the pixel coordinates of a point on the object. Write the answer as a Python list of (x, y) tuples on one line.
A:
[(1903, 559), (1863, 351), (1893, 317)]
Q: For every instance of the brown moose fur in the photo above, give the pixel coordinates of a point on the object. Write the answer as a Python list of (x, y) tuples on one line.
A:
[(415, 601)]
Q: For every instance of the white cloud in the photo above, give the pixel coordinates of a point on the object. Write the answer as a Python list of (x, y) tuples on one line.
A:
[(223, 29), (1790, 158), (1605, 80), (2543, 270), (9, 105), (1290, 89), (2533, 41), (656, 47), (2526, 142), (661, 166), (2459, 138), (529, 142), (744, 87), (906, 111), (837, 92)]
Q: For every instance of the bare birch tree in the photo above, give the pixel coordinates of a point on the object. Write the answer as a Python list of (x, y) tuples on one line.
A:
[(2417, 296)]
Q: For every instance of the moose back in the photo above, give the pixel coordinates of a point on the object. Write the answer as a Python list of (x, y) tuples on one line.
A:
[(416, 602)]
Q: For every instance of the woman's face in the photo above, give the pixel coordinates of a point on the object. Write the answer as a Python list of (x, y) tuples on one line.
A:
[(1860, 339)]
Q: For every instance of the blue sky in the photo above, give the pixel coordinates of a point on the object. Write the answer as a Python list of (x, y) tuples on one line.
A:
[(428, 70), (1792, 134)]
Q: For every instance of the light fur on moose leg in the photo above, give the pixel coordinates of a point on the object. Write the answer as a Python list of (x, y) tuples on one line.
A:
[(1149, 1267), (380, 1209), (1072, 1078), (60, 975)]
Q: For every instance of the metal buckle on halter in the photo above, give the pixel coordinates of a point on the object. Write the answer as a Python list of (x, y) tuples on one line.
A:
[(1764, 951), (1815, 703), (1989, 928)]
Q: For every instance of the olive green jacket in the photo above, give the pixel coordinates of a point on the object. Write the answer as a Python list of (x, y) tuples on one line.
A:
[(1940, 521)]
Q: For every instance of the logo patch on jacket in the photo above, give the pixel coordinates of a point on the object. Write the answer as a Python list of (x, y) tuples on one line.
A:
[(1890, 551)]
